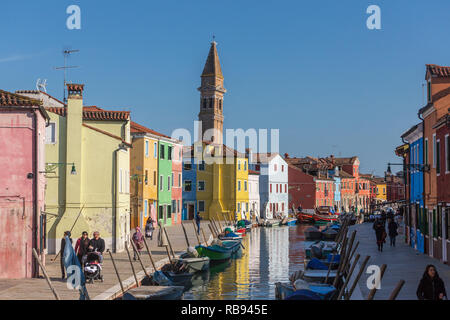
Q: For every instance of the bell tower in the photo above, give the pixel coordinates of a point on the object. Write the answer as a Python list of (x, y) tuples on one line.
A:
[(211, 98)]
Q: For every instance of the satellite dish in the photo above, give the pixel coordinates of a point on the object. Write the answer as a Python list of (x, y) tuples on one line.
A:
[(41, 85)]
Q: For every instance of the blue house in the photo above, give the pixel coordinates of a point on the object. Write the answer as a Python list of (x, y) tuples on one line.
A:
[(337, 188), (189, 207), (418, 225)]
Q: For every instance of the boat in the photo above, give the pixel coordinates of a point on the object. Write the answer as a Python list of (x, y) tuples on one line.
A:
[(171, 278), (321, 264), (320, 249), (291, 222), (329, 234), (241, 231), (272, 223), (227, 237), (312, 233), (317, 276), (285, 291), (219, 251), (303, 217), (154, 293), (195, 264)]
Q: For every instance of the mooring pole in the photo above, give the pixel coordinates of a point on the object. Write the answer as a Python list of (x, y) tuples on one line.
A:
[(44, 271), (117, 271)]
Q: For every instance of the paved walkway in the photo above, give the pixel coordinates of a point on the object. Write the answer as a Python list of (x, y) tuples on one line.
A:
[(403, 262), (37, 289)]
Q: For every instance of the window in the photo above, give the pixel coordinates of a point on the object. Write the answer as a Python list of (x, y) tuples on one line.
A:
[(145, 207), (161, 152), (277, 187), (169, 211), (146, 148), (169, 153), (239, 164), (187, 166), (245, 165), (178, 206), (50, 133), (282, 168), (201, 166), (120, 180), (168, 183), (179, 180), (246, 206), (275, 167), (238, 207), (429, 90), (172, 180), (161, 183), (174, 206), (285, 188), (155, 150), (438, 156), (270, 188), (239, 185), (154, 178), (426, 151), (146, 177), (201, 206), (160, 212), (245, 185), (434, 150), (447, 154), (201, 186), (187, 185)]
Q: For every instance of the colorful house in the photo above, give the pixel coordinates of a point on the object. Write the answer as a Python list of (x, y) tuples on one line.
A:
[(87, 168), (23, 124), (189, 184), (177, 181), (253, 194), (273, 183)]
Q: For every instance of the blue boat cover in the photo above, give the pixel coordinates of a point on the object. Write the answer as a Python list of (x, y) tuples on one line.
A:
[(161, 279), (336, 258), (303, 295), (316, 264), (322, 290)]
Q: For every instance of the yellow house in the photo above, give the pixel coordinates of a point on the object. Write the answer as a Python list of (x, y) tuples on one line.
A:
[(222, 182), (87, 169), (381, 190)]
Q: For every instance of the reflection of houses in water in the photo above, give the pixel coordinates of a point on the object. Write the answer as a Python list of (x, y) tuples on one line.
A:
[(254, 249), (276, 245)]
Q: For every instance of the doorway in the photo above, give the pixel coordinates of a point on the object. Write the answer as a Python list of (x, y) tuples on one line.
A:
[(191, 211)]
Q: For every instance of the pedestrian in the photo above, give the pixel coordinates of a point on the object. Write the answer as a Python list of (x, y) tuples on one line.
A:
[(380, 233), (431, 286), (81, 246), (149, 228), (383, 217), (197, 221), (392, 228), (63, 246), (138, 240), (97, 244)]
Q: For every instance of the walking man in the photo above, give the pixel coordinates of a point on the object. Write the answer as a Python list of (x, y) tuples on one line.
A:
[(380, 233), (392, 227), (97, 244), (197, 221)]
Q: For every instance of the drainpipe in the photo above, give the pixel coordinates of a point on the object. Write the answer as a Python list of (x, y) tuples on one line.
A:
[(419, 115), (35, 270)]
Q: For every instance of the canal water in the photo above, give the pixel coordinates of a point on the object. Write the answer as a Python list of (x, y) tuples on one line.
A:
[(270, 256)]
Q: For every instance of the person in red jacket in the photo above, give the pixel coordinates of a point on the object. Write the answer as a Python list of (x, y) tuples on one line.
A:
[(81, 246)]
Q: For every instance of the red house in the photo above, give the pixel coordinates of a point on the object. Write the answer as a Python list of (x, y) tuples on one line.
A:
[(302, 189)]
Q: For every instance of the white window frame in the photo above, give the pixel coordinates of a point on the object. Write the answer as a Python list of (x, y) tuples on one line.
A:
[(184, 188), (204, 185), (147, 147), (446, 150), (155, 150), (54, 133)]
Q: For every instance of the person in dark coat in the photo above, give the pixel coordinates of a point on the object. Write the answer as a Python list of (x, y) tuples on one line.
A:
[(392, 228), (149, 228), (97, 244), (431, 286), (383, 217), (380, 233), (63, 246), (197, 221), (81, 246)]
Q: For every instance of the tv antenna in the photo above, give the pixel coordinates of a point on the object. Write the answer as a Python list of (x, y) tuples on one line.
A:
[(66, 53), (41, 85)]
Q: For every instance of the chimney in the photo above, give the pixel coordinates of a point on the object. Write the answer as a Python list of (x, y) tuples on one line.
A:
[(75, 91), (286, 155)]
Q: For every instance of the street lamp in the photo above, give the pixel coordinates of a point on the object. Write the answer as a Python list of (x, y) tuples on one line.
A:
[(51, 166)]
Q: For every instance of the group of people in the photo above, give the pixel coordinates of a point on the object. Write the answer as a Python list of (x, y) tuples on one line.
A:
[(83, 246), (380, 229)]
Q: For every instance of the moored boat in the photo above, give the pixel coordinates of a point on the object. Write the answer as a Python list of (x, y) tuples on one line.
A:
[(195, 264), (154, 293), (312, 233)]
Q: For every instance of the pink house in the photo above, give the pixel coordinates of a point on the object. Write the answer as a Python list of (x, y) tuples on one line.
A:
[(177, 181), (22, 183)]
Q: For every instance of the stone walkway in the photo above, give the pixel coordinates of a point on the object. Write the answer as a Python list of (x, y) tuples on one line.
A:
[(403, 262), (37, 289)]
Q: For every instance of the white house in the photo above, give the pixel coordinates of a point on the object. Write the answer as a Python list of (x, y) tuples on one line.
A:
[(253, 193), (273, 183)]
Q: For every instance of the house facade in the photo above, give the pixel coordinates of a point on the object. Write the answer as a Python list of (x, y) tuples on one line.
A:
[(253, 194), (23, 123), (88, 171), (189, 209)]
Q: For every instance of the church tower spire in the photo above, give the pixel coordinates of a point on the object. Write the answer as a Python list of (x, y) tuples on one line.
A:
[(211, 98)]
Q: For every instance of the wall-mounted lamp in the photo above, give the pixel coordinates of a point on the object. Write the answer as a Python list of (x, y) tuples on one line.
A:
[(50, 167)]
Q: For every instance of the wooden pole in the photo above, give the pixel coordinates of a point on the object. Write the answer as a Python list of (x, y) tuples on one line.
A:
[(212, 230), (397, 289), (341, 261), (216, 230), (185, 235), (348, 252), (196, 233), (150, 255), (139, 258), (374, 290), (361, 270), (204, 237), (44, 271), (132, 266), (117, 271), (329, 268), (168, 240), (220, 225), (347, 278)]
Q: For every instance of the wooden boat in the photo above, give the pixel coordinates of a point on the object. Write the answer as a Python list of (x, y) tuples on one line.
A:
[(241, 231), (305, 217), (329, 234), (233, 245), (291, 222), (225, 238), (272, 223), (195, 264), (312, 233), (325, 248), (317, 276), (154, 293), (172, 278), (219, 252), (283, 290)]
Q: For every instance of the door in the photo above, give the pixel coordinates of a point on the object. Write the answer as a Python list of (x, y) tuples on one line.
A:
[(430, 232), (191, 212)]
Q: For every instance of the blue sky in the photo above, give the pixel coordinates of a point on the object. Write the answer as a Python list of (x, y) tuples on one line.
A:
[(310, 68)]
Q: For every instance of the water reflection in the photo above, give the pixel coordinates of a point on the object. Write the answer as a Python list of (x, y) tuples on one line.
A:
[(270, 255)]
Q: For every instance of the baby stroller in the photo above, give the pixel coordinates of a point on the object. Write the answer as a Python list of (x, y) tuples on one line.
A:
[(92, 267)]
